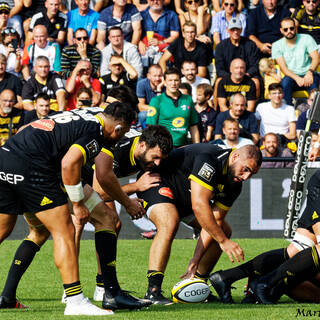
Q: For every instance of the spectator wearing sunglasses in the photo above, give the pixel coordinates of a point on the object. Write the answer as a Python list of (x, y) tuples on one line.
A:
[(11, 47), (217, 5), (81, 49), (7, 20), (298, 58), (54, 20), (264, 25), (307, 18), (220, 21), (196, 12)]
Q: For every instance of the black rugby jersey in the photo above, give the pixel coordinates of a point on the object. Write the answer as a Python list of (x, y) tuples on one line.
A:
[(205, 164), (46, 141)]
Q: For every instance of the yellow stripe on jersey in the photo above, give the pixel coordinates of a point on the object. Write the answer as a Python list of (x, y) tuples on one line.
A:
[(82, 150), (100, 120), (221, 206), (108, 152), (131, 154), (198, 181)]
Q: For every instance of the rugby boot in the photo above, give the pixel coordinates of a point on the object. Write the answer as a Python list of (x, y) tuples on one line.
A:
[(156, 297), (123, 300), (221, 287), (261, 291), (6, 303)]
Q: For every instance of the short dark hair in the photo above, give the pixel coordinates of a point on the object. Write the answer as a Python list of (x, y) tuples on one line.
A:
[(186, 86), (275, 86), (86, 90), (43, 96), (207, 89), (157, 135), (287, 19), (252, 152), (124, 94), (121, 111), (114, 28), (172, 70), (189, 61), (230, 120), (80, 29)]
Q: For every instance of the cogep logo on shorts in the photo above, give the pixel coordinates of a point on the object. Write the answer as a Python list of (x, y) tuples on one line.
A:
[(11, 178), (178, 122)]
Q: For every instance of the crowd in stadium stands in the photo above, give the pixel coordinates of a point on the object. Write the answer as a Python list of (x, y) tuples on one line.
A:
[(250, 68)]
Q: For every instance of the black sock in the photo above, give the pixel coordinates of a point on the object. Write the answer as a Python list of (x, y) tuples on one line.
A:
[(260, 265), (99, 280), (203, 277), (21, 261), (303, 266), (72, 289), (106, 246), (155, 278)]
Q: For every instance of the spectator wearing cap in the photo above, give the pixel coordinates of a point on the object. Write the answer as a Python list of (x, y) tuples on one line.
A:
[(54, 20), (6, 22), (234, 47), (221, 20)]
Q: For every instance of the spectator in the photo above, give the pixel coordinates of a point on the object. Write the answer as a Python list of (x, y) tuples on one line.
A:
[(81, 49), (231, 131), (237, 81), (221, 20), (302, 119), (122, 73), (147, 89), (83, 17), (307, 18), (10, 81), (95, 5), (81, 77), (298, 58), (11, 118), (273, 149), (121, 14), (247, 120), (40, 47), (264, 25), (187, 48), (11, 47), (174, 110), (277, 117), (234, 47), (197, 13), (83, 98), (185, 88), (42, 80), (54, 20), (207, 115), (160, 27), (314, 139), (126, 49), (218, 5), (8, 20), (189, 71), (41, 109)]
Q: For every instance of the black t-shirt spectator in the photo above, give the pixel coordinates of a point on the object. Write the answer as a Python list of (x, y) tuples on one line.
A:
[(107, 83), (11, 82), (59, 23), (30, 116), (199, 55), (207, 118), (227, 88)]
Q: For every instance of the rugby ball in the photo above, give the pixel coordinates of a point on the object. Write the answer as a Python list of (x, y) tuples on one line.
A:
[(190, 291)]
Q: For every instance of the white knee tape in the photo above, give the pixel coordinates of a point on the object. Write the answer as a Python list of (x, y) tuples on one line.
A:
[(302, 242), (93, 201)]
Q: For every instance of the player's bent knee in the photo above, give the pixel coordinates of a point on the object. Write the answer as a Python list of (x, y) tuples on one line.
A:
[(300, 242)]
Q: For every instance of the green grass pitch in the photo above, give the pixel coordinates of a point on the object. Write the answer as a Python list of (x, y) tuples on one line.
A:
[(41, 286)]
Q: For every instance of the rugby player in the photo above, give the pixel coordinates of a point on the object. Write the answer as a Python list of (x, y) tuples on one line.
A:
[(132, 153), (190, 178), (31, 163)]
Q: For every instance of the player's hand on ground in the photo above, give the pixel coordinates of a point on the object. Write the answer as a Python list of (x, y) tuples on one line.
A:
[(135, 209), (191, 270), (81, 213), (233, 250), (147, 181), (313, 154)]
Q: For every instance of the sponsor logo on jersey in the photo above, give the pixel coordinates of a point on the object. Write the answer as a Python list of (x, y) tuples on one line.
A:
[(178, 122), (43, 124), (11, 177), (206, 172), (166, 192), (151, 111), (93, 148), (45, 201), (315, 215)]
